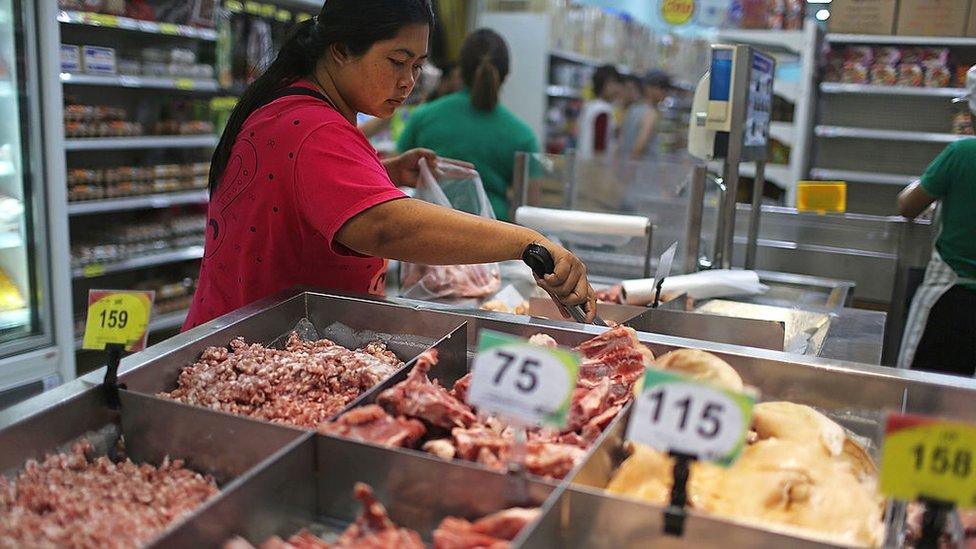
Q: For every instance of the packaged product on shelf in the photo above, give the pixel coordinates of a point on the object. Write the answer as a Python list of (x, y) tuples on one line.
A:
[(856, 61), (10, 297), (98, 59), (911, 74), (70, 58), (937, 76)]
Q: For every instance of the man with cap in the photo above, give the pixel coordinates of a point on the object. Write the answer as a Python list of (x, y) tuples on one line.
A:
[(638, 137), (940, 333)]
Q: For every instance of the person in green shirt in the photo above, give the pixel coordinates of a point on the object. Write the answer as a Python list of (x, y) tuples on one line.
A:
[(940, 334), (471, 124)]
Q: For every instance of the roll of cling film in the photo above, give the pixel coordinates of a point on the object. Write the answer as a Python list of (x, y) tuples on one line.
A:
[(677, 12)]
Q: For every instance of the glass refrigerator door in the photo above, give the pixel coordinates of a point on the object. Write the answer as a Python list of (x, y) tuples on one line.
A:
[(25, 314)]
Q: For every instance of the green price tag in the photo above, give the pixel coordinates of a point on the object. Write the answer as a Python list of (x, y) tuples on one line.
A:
[(675, 414), (95, 269), (253, 8), (526, 383), (169, 28), (234, 6), (928, 457), (184, 84), (283, 15)]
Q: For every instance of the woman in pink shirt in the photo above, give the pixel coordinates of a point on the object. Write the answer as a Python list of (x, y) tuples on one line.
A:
[(300, 198)]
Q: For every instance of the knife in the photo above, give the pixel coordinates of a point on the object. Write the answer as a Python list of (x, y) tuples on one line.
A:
[(540, 260)]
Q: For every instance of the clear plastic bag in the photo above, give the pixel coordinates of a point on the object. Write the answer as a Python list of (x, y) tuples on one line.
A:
[(461, 189)]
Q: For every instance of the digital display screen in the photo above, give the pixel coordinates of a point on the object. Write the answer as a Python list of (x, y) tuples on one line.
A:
[(721, 75)]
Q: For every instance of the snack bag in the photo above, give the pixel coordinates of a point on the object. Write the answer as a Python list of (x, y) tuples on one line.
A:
[(461, 189)]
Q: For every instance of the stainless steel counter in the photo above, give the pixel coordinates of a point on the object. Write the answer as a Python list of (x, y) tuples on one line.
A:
[(284, 478)]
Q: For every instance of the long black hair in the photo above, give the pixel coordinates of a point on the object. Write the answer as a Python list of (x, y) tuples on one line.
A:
[(484, 66), (356, 24)]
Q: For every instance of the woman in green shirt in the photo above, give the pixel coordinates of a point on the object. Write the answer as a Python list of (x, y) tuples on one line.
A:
[(471, 125)]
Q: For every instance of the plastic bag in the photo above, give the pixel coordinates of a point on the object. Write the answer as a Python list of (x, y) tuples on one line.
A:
[(461, 189)]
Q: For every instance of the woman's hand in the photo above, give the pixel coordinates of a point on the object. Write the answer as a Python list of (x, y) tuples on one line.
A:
[(404, 170), (568, 284)]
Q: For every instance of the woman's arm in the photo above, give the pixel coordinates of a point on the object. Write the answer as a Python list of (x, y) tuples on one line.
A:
[(419, 232), (644, 137), (913, 200)]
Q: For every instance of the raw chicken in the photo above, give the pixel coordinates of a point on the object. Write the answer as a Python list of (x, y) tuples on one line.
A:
[(701, 366)]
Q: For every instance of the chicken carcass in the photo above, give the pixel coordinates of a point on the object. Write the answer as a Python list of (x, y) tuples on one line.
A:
[(701, 366), (419, 397)]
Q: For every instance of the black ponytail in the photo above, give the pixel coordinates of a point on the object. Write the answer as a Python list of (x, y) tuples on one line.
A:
[(484, 66), (356, 24)]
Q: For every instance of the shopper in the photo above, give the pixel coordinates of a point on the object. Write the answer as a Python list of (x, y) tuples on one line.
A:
[(638, 137), (471, 124), (940, 334), (450, 81), (597, 127), (298, 196)]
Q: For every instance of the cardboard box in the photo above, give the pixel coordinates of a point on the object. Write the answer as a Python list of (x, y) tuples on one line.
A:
[(932, 17), (862, 16)]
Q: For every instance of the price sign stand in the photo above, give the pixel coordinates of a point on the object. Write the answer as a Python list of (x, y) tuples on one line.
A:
[(118, 321), (690, 421), (677, 511), (524, 383), (932, 461)]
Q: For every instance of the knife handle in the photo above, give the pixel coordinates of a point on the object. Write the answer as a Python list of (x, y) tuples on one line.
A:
[(540, 260)]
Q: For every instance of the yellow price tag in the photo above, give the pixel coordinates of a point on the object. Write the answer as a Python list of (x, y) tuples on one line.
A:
[(253, 8), (234, 6), (283, 15), (184, 84), (268, 10), (95, 269), (677, 12), (821, 196), (926, 457), (302, 17), (169, 28), (118, 317), (104, 20)]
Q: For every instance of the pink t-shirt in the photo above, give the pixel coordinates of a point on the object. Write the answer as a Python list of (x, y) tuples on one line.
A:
[(297, 172)]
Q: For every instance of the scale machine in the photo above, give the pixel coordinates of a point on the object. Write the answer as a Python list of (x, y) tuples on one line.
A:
[(730, 121)]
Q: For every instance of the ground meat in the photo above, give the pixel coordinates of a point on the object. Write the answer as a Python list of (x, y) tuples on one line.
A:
[(70, 500), (304, 384)]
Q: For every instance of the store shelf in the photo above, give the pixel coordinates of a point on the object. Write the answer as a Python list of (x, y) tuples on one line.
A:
[(124, 81), (565, 92), (125, 23), (577, 58), (165, 321), (885, 135), (139, 262), (789, 91), (10, 240), (789, 40), (15, 318), (7, 169), (142, 142), (152, 201), (862, 177), (906, 40), (838, 88), (784, 132), (776, 173)]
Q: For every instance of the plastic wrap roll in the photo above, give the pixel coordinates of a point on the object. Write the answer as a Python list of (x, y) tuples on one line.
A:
[(703, 285), (571, 221)]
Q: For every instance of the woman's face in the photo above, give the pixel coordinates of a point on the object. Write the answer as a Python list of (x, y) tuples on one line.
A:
[(380, 80)]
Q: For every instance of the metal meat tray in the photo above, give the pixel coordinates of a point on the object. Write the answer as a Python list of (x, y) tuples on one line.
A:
[(310, 485), (455, 354), (349, 322), (225, 447)]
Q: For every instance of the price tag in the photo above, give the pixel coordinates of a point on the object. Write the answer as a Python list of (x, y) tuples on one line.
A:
[(283, 15), (93, 270), (118, 316), (929, 457), (253, 8), (234, 6), (527, 383), (302, 17), (184, 84), (104, 20), (675, 414), (169, 28), (268, 10)]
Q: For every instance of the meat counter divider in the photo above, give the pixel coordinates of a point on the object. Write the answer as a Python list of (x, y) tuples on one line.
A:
[(311, 486)]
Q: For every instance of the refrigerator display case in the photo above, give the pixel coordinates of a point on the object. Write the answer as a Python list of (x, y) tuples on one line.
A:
[(29, 357)]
